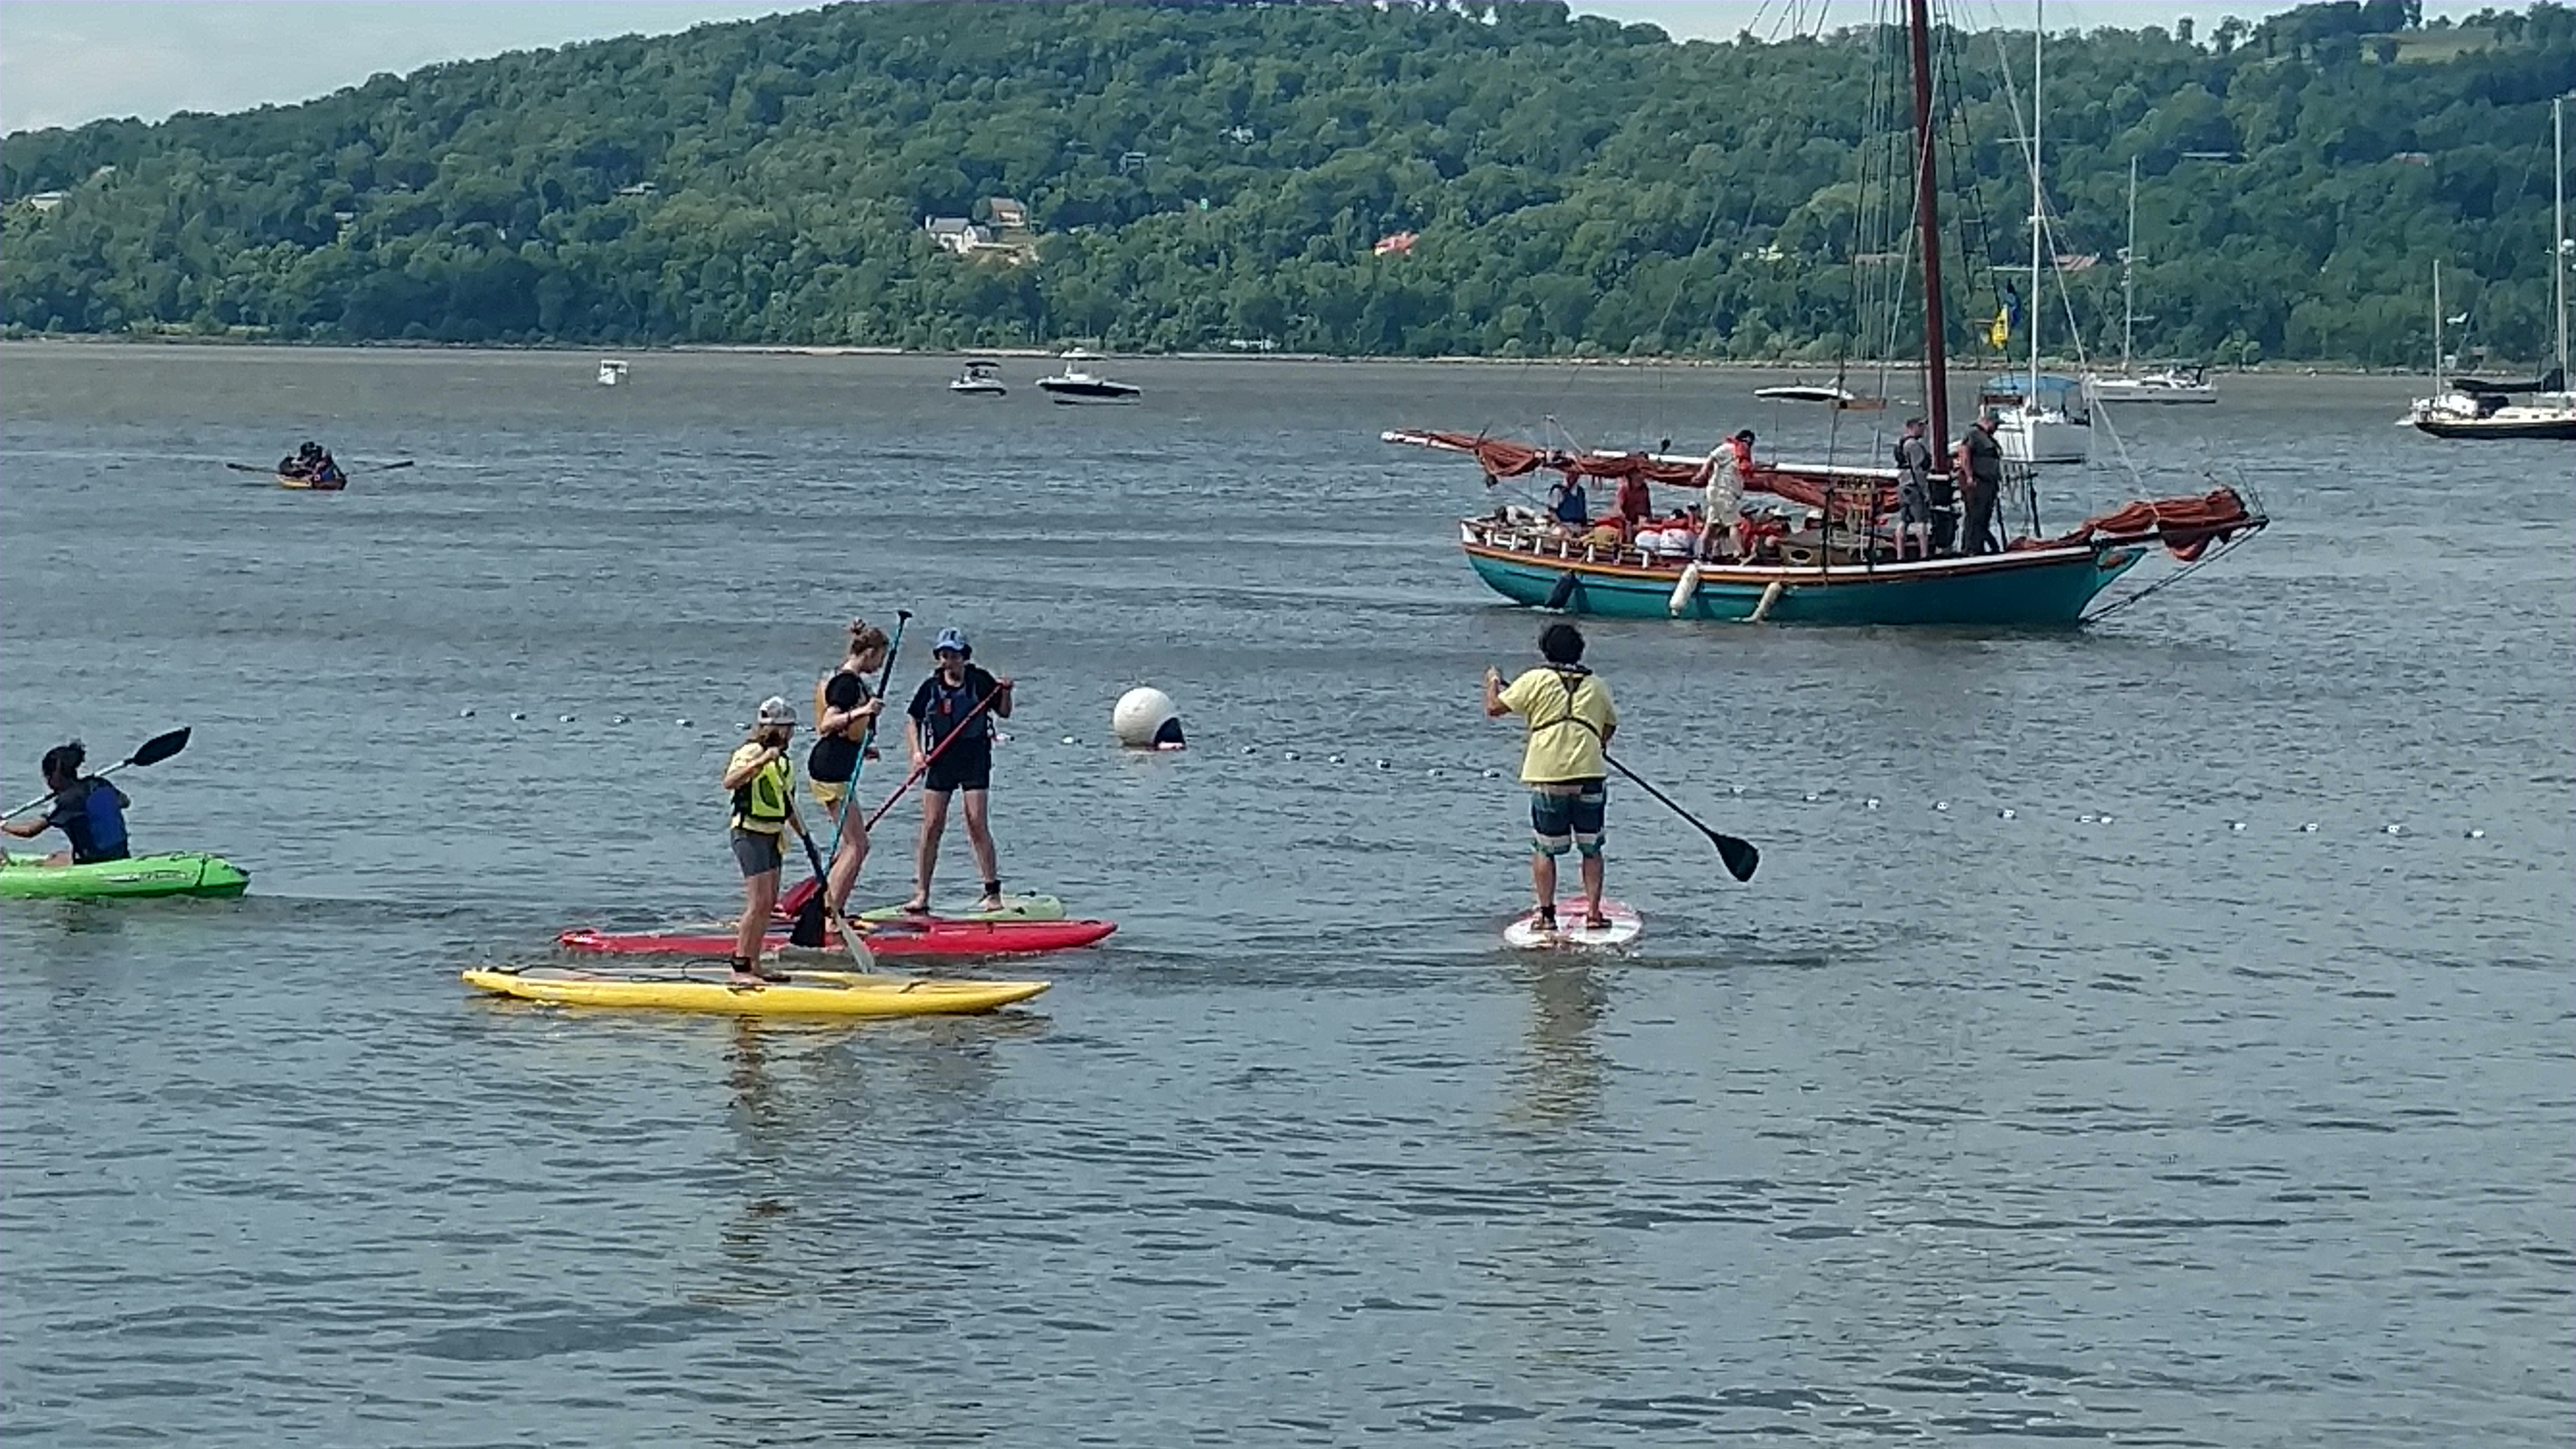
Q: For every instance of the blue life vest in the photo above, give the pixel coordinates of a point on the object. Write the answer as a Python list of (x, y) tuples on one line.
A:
[(1569, 505), (92, 814)]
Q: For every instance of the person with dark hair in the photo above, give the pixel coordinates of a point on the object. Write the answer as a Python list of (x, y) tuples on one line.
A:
[(89, 811), (1570, 719), (845, 715), (950, 721)]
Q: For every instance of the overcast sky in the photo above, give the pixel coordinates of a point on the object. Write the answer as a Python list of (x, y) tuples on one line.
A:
[(63, 62)]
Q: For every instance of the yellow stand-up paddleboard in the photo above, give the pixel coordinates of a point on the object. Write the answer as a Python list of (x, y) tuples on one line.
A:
[(804, 993)]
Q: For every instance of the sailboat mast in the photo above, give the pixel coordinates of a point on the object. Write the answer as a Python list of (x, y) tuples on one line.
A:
[(2558, 225), (2128, 279), (1927, 216), (2437, 327), (2038, 32)]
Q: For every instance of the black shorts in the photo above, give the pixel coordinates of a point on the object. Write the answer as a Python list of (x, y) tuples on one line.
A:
[(965, 765), (758, 852)]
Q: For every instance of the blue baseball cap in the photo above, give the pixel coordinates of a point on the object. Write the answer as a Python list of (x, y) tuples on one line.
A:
[(953, 639)]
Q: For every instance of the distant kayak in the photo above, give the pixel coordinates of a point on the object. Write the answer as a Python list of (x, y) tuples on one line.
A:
[(805, 993), (174, 874), (312, 485), (906, 938)]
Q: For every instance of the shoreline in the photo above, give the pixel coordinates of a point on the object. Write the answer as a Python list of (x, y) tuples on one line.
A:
[(2276, 368)]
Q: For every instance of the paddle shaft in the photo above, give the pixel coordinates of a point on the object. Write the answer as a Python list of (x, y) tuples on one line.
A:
[(933, 757), (1740, 855)]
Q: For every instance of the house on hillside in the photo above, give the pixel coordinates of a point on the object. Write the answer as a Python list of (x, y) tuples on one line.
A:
[(955, 234), (1396, 244), (1008, 214), (45, 200)]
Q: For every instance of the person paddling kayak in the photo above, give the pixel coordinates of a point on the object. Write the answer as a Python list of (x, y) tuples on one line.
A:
[(764, 810), (90, 812), (1570, 720), (949, 721), (845, 712)]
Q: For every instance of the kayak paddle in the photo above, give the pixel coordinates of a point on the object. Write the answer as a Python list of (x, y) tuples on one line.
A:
[(152, 752), (1740, 856), (809, 916)]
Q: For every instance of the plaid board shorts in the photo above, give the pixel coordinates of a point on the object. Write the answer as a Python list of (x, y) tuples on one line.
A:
[(1567, 816)]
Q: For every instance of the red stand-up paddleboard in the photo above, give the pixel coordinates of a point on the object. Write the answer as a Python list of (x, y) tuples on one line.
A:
[(890, 940)]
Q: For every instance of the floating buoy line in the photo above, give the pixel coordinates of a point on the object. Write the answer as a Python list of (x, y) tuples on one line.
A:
[(2231, 817)]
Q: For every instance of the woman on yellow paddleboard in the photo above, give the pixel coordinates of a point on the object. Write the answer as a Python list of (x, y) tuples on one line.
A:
[(763, 785)]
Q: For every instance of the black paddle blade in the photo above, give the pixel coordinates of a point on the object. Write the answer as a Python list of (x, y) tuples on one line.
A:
[(808, 931), (1740, 856), (161, 747)]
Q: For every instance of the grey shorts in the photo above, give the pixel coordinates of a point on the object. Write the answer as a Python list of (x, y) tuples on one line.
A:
[(1913, 504), (758, 852)]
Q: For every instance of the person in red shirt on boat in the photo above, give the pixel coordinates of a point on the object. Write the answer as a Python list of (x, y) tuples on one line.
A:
[(1636, 504)]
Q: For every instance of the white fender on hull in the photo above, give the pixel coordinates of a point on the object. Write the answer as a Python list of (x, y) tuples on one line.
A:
[(1683, 591)]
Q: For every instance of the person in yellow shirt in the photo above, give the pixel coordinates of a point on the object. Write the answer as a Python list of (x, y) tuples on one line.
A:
[(763, 784), (1570, 720)]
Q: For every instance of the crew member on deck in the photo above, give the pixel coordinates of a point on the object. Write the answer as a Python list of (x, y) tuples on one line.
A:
[(1721, 501), (1980, 464), (1567, 505), (1913, 492)]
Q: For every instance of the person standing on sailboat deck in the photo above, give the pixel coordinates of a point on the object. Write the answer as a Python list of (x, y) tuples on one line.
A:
[(1913, 492), (1636, 504), (1571, 721), (1981, 464), (1721, 501)]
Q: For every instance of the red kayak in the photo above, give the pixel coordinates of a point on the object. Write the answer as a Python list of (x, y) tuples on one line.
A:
[(893, 940)]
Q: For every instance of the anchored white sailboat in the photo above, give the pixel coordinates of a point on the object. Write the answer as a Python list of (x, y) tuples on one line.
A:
[(2044, 421), (2175, 384)]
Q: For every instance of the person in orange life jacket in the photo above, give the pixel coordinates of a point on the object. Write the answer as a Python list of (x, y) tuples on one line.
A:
[(845, 710), (1571, 721), (762, 783), (942, 726), (90, 812)]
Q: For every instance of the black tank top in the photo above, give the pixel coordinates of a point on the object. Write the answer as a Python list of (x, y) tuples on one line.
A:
[(835, 757)]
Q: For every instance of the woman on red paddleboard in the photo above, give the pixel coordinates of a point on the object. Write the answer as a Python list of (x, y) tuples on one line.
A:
[(946, 722), (845, 711), (763, 786), (1570, 719)]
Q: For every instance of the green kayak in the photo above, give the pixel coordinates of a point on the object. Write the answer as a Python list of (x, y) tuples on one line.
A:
[(185, 873)]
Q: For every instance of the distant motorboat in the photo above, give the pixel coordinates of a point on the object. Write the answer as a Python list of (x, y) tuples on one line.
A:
[(1841, 398), (611, 372), (2171, 385), (1073, 385), (980, 379), (1083, 354)]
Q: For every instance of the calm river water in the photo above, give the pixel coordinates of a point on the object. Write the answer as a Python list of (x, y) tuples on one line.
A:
[(2101, 1118)]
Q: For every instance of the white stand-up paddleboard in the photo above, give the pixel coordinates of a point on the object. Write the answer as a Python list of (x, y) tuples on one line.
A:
[(1625, 925)]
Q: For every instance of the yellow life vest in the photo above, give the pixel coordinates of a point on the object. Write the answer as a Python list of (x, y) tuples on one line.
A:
[(761, 802)]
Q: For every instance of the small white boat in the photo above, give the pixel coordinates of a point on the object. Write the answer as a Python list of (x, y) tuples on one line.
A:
[(2039, 420), (2172, 385), (980, 379), (1073, 385), (611, 372)]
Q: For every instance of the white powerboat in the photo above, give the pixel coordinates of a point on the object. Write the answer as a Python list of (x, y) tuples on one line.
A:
[(980, 379), (1073, 385), (612, 371), (2170, 385)]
